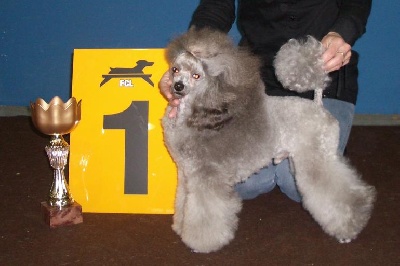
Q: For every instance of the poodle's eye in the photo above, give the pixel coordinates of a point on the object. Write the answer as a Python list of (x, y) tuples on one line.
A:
[(196, 76), (175, 69)]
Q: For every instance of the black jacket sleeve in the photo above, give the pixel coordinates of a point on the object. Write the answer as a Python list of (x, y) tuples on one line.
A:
[(352, 20), (217, 14)]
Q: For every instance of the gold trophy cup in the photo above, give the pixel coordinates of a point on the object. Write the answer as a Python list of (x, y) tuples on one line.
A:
[(55, 119)]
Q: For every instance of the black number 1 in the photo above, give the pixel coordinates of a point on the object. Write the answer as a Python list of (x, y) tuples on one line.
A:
[(135, 122)]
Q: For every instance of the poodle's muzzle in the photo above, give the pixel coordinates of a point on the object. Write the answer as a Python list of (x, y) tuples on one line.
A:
[(178, 89)]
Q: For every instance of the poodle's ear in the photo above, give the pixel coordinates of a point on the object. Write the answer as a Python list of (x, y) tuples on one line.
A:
[(209, 118), (213, 110), (221, 64), (236, 66)]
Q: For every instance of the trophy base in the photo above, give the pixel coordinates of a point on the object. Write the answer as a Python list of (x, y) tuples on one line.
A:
[(57, 217)]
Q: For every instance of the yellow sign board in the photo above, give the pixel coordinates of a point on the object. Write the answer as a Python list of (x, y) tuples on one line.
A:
[(118, 161)]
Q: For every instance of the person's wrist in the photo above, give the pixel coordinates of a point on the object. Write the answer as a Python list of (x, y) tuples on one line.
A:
[(334, 34)]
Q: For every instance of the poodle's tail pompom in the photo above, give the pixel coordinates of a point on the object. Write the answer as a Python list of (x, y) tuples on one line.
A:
[(299, 65)]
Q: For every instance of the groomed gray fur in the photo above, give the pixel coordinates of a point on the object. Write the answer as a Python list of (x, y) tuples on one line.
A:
[(298, 65), (227, 129)]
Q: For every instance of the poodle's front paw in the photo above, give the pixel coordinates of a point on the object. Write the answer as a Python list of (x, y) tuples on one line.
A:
[(344, 240), (194, 251), (209, 234), (201, 241), (177, 228), (177, 224)]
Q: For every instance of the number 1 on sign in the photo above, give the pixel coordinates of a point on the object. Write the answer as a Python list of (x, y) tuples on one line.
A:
[(135, 122)]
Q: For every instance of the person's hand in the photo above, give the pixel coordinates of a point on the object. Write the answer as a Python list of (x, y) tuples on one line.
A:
[(337, 53), (165, 89)]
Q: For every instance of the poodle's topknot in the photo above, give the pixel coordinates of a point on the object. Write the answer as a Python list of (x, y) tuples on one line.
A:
[(218, 53), (299, 65), (201, 43)]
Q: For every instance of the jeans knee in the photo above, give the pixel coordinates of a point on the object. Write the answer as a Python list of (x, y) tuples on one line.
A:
[(286, 182), (257, 184)]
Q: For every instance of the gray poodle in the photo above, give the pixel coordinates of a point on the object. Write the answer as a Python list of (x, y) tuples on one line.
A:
[(227, 128)]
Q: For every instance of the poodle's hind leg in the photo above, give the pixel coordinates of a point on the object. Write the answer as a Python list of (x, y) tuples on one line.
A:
[(180, 199), (334, 194), (210, 213)]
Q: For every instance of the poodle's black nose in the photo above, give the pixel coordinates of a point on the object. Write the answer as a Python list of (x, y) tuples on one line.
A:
[(179, 86)]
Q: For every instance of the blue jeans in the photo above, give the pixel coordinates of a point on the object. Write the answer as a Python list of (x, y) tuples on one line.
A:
[(267, 178)]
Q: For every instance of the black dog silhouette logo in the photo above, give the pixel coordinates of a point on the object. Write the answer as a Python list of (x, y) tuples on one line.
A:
[(130, 72)]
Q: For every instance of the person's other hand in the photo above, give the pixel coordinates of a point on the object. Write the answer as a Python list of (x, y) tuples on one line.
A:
[(337, 53), (165, 89)]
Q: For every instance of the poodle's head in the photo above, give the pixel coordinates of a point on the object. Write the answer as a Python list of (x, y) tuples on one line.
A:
[(188, 75), (189, 57), (212, 74), (206, 59)]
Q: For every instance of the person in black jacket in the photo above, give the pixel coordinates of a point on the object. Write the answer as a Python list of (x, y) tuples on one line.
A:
[(265, 25)]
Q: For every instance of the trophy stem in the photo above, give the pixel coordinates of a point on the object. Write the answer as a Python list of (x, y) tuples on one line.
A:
[(57, 152)]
